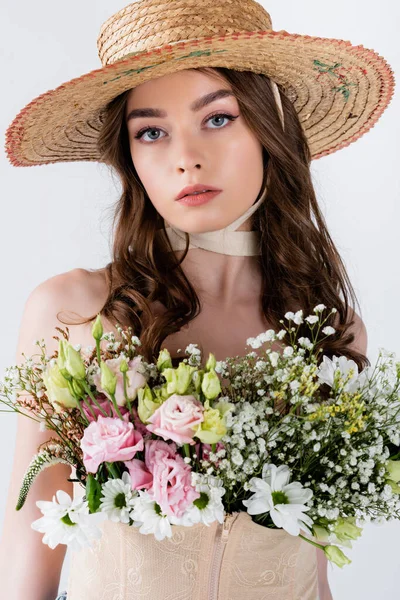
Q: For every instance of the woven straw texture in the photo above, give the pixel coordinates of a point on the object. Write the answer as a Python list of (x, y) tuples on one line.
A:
[(339, 90)]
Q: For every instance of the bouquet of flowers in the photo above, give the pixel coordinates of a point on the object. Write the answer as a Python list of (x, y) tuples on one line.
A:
[(301, 443)]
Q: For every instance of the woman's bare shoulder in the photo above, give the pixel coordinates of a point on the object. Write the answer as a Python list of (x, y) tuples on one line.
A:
[(77, 288), (67, 298)]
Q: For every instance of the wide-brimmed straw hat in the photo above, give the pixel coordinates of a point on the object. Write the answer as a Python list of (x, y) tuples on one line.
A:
[(339, 90)]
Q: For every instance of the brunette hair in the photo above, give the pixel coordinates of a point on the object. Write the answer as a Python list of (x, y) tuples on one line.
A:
[(299, 262)]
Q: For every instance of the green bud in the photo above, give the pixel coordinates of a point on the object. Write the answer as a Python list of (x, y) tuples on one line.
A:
[(184, 377), (197, 378), (77, 388), (334, 554), (164, 360), (97, 329), (211, 362), (61, 361), (210, 385), (73, 362), (108, 380), (172, 380), (393, 470), (123, 366)]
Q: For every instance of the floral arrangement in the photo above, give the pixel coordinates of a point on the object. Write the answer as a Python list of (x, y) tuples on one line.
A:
[(303, 444)]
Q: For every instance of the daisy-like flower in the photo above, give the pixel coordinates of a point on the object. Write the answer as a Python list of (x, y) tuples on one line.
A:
[(118, 498), (148, 516), (327, 369), (209, 507), (67, 521), (283, 500)]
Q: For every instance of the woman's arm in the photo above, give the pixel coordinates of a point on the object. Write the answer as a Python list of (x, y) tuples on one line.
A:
[(29, 569)]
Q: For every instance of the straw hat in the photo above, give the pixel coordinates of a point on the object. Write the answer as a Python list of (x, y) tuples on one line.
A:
[(338, 90)]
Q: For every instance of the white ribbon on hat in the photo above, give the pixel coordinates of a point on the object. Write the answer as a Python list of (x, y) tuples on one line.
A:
[(227, 240)]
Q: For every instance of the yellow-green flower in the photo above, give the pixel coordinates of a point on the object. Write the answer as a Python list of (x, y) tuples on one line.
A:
[(108, 379), (184, 377), (147, 404), (213, 427), (171, 377), (346, 529), (393, 470), (57, 388), (395, 486), (211, 385), (71, 360), (320, 533), (197, 378), (334, 554), (164, 360)]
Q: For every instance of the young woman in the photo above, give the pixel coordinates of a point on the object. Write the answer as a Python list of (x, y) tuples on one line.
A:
[(241, 114)]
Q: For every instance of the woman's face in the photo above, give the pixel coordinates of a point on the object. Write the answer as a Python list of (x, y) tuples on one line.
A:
[(186, 146)]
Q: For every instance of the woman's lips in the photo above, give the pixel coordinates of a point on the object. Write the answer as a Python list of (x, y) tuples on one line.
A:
[(196, 199)]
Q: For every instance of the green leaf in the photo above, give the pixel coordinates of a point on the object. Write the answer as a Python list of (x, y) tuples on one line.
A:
[(93, 493)]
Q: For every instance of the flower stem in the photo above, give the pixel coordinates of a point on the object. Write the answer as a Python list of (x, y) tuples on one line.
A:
[(116, 406), (311, 542), (113, 470), (89, 393), (125, 378), (187, 450), (82, 412)]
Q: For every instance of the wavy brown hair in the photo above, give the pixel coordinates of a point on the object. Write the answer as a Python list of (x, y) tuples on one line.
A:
[(299, 262)]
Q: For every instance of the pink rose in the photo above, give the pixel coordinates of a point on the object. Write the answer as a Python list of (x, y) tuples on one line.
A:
[(140, 476), (110, 440), (105, 404), (135, 380), (177, 418), (172, 488)]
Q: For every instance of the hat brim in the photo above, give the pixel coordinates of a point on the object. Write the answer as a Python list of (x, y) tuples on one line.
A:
[(338, 90)]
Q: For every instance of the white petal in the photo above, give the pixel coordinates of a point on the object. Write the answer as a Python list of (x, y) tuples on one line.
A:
[(257, 506), (280, 478)]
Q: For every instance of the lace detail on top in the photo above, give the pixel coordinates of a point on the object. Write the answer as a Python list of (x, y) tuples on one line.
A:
[(257, 564)]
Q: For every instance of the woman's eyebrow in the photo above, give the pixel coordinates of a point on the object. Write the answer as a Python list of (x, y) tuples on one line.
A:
[(195, 106)]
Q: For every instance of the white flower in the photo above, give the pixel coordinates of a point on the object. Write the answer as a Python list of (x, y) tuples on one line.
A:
[(328, 330), (289, 315), (148, 516), (327, 369), (288, 351), (192, 349), (298, 317), (274, 357), (305, 342), (283, 500), (118, 498), (312, 319), (209, 507), (67, 521), (319, 308)]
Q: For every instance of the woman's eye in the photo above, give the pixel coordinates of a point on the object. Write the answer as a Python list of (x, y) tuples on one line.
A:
[(152, 130)]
